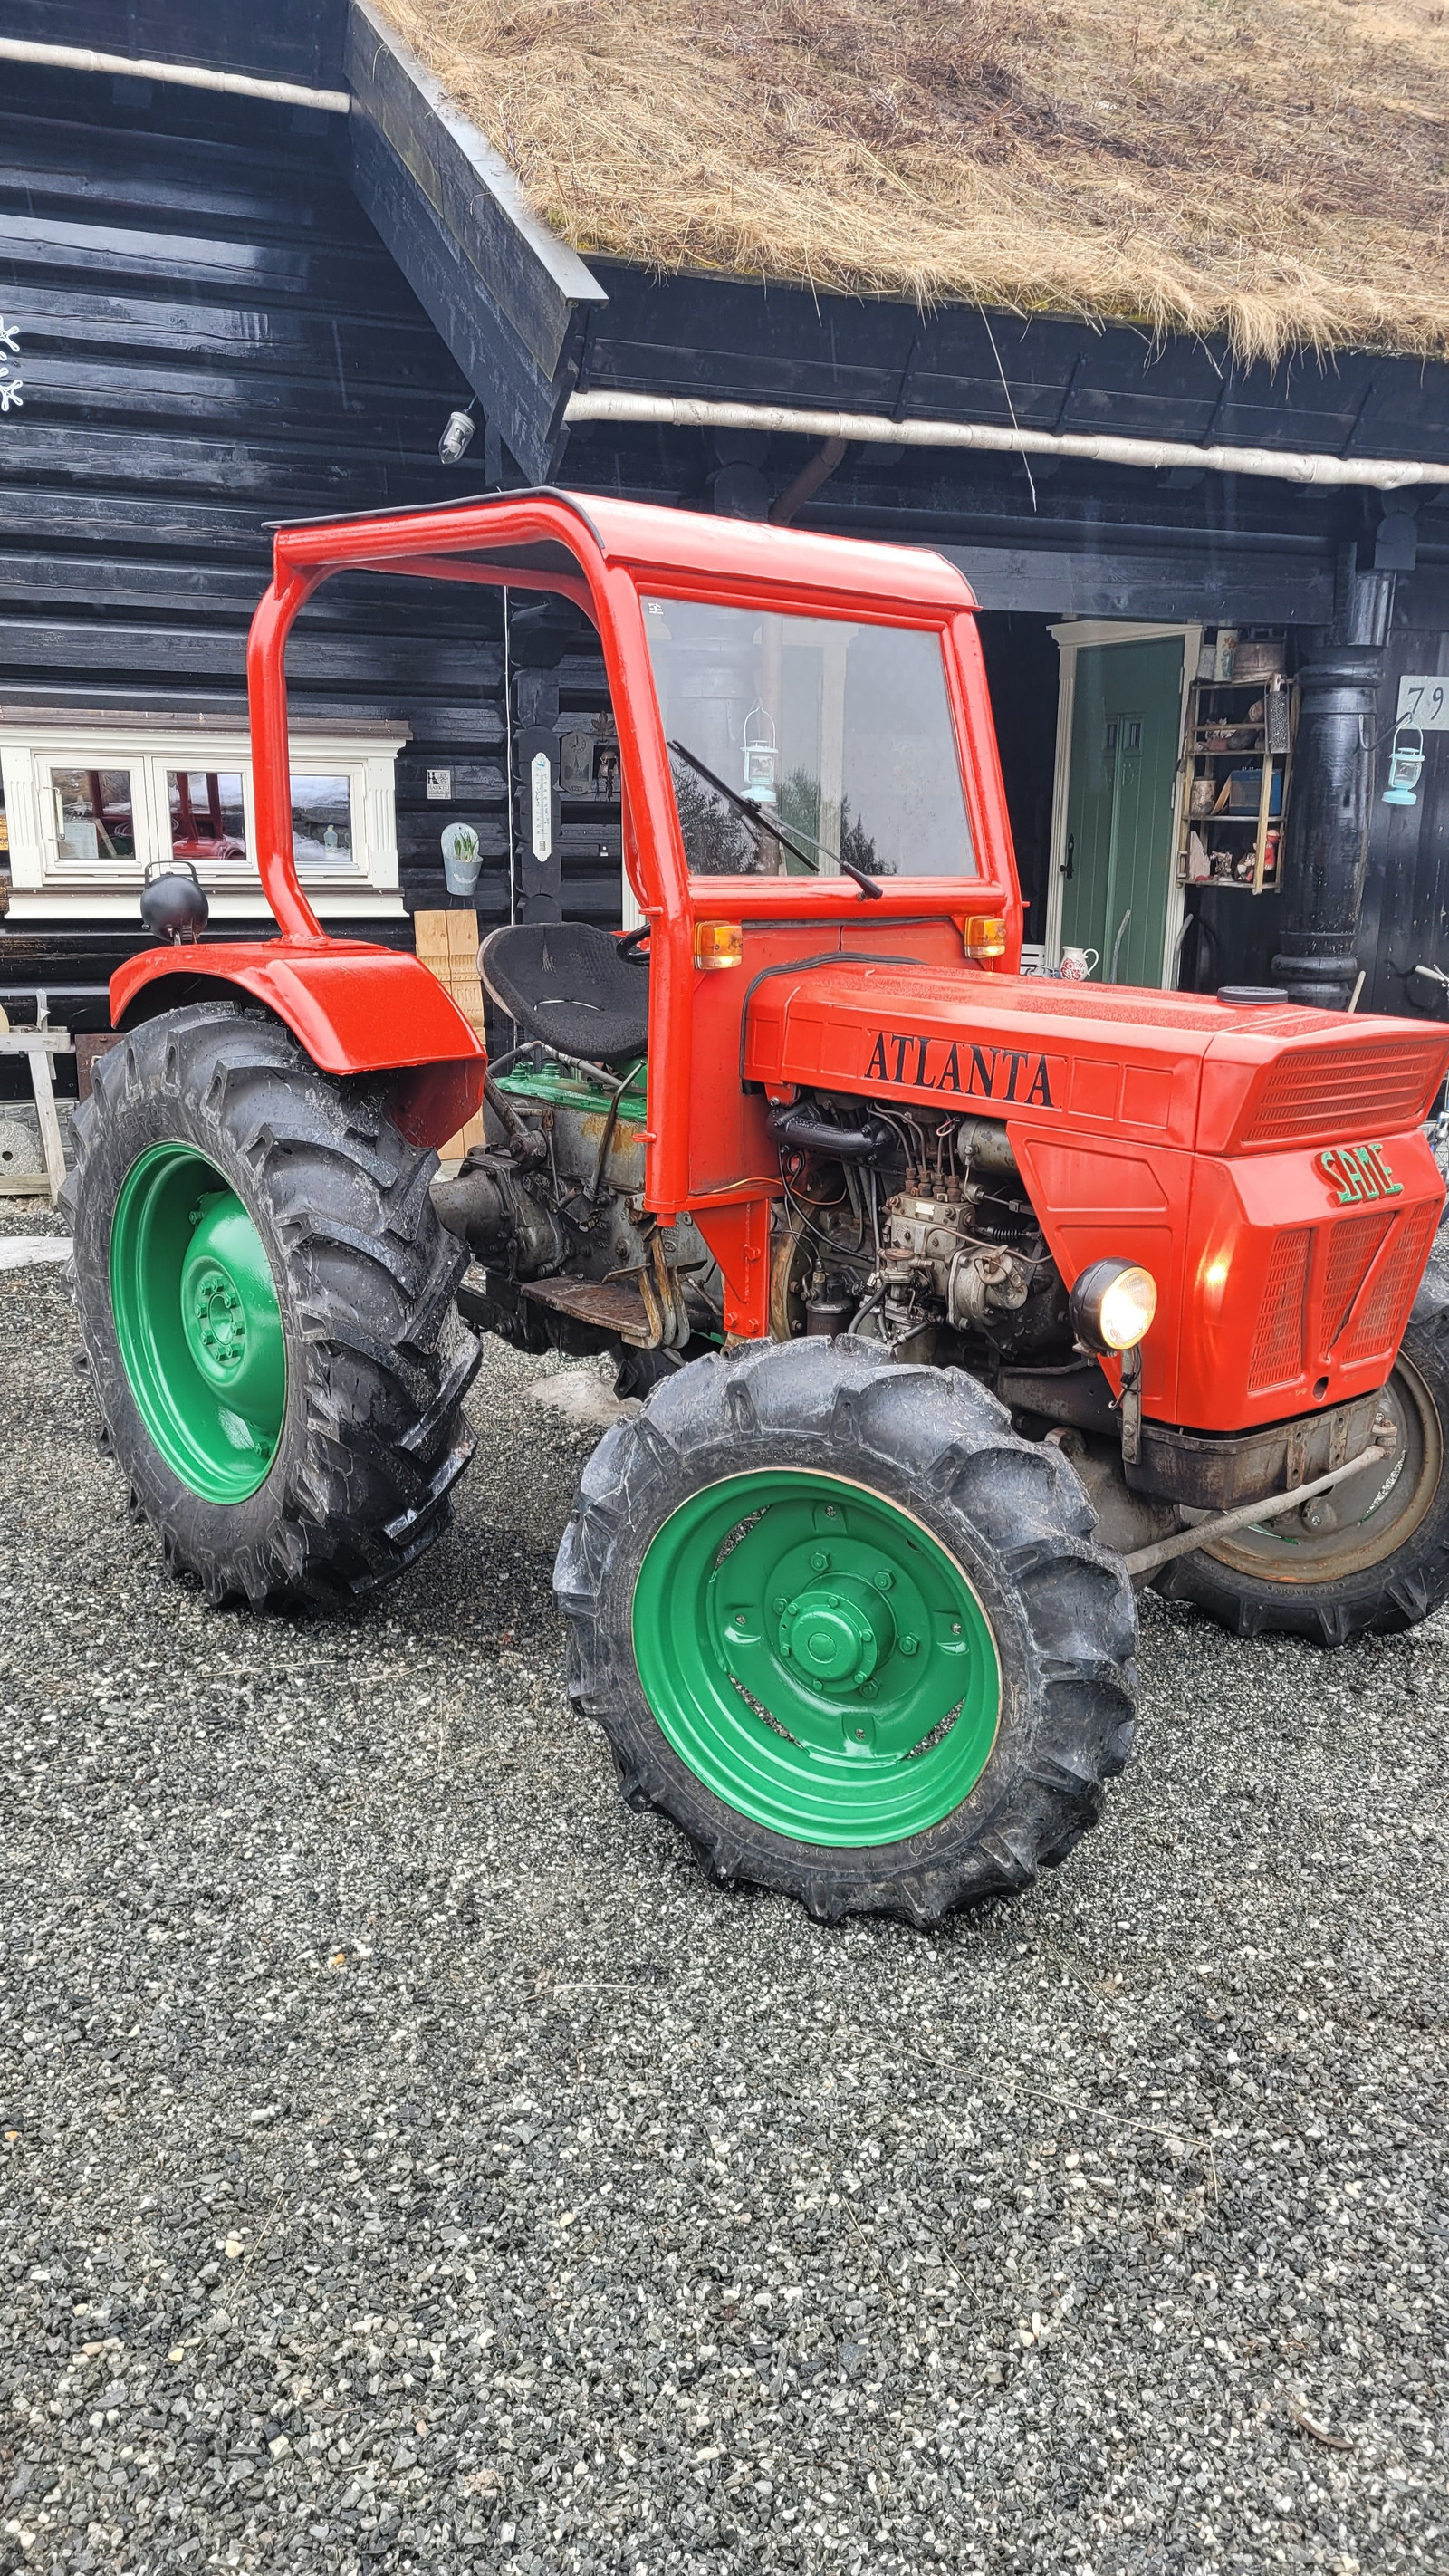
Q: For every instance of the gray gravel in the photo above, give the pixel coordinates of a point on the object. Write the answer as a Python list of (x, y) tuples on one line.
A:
[(410, 2162)]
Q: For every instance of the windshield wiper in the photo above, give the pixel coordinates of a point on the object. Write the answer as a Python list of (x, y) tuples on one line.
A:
[(755, 814)]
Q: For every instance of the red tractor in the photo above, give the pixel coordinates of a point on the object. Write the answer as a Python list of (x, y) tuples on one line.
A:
[(960, 1301)]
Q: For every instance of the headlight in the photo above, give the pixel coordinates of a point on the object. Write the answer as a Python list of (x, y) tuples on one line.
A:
[(1112, 1305)]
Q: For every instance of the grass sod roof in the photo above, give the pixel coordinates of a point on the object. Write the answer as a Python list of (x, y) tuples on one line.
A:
[(1276, 173)]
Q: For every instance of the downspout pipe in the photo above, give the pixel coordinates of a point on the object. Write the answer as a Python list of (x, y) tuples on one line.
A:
[(1326, 838), (1326, 835), (871, 429)]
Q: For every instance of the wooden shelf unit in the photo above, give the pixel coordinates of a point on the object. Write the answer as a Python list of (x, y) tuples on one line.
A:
[(1215, 710)]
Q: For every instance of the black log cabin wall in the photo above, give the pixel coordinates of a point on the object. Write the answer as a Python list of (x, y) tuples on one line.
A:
[(212, 336), (1058, 537)]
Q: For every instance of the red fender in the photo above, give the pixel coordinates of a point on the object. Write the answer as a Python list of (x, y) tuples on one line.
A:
[(353, 1007)]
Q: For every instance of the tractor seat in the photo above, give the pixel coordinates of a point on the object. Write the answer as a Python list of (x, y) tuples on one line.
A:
[(565, 982)]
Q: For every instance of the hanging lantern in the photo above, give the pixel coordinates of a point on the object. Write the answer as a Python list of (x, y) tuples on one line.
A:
[(762, 757), (1405, 768)]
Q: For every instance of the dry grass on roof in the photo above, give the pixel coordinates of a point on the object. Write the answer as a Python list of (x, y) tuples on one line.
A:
[(1278, 172)]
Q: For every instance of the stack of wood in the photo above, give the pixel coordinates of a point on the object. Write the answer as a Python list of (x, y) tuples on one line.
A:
[(447, 943)]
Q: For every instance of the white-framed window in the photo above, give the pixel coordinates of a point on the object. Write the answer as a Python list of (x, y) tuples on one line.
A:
[(90, 803)]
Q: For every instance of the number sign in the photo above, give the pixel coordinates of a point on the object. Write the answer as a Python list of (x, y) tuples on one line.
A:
[(1424, 701)]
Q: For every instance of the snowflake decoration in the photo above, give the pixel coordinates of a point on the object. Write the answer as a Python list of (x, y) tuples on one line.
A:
[(10, 385)]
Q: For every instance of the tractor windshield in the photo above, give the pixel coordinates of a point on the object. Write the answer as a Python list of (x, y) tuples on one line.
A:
[(799, 742)]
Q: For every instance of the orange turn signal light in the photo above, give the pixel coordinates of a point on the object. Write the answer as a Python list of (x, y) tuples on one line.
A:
[(985, 934), (719, 943)]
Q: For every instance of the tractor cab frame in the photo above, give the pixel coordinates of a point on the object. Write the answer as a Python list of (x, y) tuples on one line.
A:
[(358, 1008)]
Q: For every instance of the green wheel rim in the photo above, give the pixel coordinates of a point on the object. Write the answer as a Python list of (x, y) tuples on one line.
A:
[(816, 1658), (197, 1323)]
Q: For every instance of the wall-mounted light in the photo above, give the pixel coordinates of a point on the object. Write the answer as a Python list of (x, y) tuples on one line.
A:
[(1405, 768), (457, 437)]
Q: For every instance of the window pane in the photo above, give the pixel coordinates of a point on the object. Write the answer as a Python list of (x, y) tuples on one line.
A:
[(839, 735), (208, 818), (93, 825), (322, 822)]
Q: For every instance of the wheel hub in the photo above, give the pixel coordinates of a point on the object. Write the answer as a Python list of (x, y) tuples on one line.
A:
[(217, 1328), (816, 1657), (198, 1323), (229, 1315), (838, 1633)]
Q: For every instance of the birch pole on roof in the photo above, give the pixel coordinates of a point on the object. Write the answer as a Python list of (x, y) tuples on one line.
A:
[(1280, 465)]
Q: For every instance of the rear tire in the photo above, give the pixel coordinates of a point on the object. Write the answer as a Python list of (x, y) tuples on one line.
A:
[(935, 1534), (266, 1300), (1385, 1566)]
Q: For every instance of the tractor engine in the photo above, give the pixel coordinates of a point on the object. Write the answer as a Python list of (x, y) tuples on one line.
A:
[(916, 1233), (928, 1250), (912, 1233)]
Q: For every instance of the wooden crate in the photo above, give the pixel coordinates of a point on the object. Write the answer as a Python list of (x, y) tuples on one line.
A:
[(447, 943)]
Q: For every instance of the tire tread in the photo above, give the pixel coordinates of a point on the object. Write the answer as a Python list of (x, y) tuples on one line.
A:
[(919, 1432), (371, 1453)]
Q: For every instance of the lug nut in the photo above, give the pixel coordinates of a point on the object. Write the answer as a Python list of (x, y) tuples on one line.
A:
[(910, 1645), (883, 1579), (820, 1560)]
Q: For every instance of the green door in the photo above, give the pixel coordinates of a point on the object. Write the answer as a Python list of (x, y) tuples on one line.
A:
[(1117, 855)]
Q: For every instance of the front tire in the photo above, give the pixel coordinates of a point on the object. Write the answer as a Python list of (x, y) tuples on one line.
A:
[(266, 1300), (1379, 1559), (847, 1630)]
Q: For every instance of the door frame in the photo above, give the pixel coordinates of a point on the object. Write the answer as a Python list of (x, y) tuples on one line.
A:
[(1080, 634)]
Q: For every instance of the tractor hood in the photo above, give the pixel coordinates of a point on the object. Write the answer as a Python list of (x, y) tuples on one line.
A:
[(1160, 1068)]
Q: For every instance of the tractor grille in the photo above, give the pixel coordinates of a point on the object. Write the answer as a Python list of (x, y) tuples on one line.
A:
[(1322, 1091), (1352, 1244), (1379, 1324), (1277, 1353)]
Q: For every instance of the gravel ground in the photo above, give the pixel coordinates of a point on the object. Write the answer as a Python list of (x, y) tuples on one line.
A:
[(409, 2161)]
